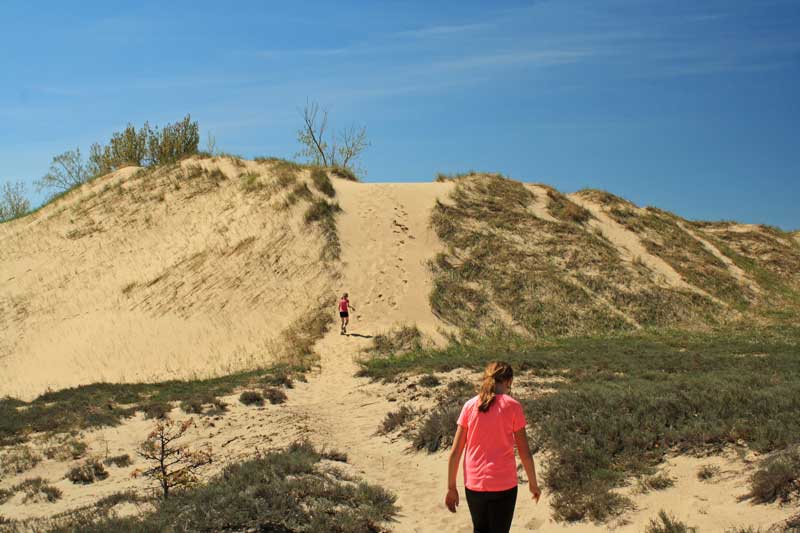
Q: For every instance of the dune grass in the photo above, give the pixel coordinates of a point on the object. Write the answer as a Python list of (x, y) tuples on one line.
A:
[(505, 266), (628, 400)]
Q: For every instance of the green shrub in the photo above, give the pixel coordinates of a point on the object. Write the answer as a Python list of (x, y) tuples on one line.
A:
[(275, 396), (279, 376), (334, 455), (120, 461), (251, 398), (5, 495), (344, 173), (667, 524), (593, 502), (323, 214), (438, 429), (249, 182), (778, 478), (322, 182), (398, 341), (89, 471)]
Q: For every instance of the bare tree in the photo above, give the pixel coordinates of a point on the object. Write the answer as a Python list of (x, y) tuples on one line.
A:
[(67, 170), (13, 202), (173, 465), (352, 141), (312, 135), (321, 147)]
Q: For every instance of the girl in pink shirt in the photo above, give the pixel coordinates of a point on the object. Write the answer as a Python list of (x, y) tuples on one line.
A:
[(489, 426)]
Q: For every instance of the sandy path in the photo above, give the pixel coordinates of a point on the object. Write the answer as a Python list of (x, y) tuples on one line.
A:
[(384, 271)]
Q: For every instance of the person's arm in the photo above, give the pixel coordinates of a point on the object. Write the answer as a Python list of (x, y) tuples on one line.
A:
[(451, 500), (521, 439)]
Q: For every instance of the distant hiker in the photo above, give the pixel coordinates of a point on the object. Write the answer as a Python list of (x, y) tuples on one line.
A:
[(489, 426), (344, 312)]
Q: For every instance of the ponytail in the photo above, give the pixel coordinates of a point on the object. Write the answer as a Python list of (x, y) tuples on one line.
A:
[(496, 372)]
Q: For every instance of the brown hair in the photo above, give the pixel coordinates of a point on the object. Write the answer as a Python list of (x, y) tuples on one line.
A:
[(496, 372)]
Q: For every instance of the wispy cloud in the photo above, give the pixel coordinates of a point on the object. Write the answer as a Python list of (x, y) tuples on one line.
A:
[(537, 57), (445, 30)]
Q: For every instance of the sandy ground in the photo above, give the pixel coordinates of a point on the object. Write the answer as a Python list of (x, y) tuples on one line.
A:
[(205, 274), (386, 242)]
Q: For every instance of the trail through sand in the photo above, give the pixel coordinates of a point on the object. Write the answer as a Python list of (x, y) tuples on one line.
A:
[(343, 412)]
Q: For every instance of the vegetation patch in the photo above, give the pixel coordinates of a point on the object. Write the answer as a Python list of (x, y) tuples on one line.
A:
[(666, 523), (398, 341), (778, 478), (120, 461), (251, 397), (623, 402), (87, 472), (274, 395), (106, 404), (285, 491), (505, 267), (18, 459), (708, 472), (322, 182), (37, 490), (66, 449), (397, 419), (322, 214), (562, 208)]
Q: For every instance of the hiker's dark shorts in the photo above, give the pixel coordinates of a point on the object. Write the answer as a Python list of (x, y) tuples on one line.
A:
[(344, 314)]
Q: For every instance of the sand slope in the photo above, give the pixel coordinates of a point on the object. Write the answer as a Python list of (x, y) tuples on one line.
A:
[(140, 277)]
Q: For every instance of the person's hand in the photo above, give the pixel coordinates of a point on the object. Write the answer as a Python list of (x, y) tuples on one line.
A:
[(451, 500), (533, 486)]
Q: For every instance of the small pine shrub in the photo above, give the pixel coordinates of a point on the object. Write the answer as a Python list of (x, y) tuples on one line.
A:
[(87, 472), (275, 396), (120, 461), (438, 429), (251, 398), (668, 524)]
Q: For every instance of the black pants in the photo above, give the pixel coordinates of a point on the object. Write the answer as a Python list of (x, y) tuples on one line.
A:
[(492, 512)]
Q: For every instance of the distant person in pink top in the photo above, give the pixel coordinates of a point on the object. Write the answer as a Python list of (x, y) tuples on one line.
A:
[(344, 312), (489, 426)]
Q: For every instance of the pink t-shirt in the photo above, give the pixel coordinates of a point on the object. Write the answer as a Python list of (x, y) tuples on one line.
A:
[(343, 305), (489, 462)]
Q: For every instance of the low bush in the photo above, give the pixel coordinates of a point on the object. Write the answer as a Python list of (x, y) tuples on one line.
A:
[(659, 481), (429, 380), (38, 490), (275, 396), (593, 502), (18, 459), (707, 472), (398, 341), (5, 495), (69, 449), (667, 524), (778, 478), (322, 213), (334, 455), (192, 406), (120, 461), (156, 410), (251, 398), (279, 376), (89, 471), (438, 428), (397, 419)]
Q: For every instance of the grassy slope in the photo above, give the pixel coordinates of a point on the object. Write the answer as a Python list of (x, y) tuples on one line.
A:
[(551, 278)]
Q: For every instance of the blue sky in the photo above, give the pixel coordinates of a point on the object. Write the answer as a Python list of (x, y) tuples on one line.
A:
[(687, 105)]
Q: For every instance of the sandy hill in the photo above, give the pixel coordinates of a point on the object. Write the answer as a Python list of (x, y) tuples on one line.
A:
[(201, 268), (217, 265)]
